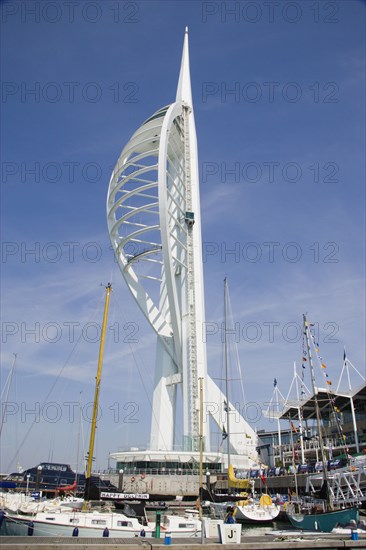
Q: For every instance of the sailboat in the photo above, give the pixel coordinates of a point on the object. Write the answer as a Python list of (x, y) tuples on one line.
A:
[(320, 514), (247, 510)]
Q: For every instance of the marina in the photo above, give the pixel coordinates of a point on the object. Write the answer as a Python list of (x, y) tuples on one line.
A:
[(209, 475)]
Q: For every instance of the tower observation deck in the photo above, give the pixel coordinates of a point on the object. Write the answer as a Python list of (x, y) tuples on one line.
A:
[(153, 214)]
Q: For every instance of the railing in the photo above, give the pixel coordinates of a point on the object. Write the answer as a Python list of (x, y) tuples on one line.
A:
[(335, 444), (158, 471)]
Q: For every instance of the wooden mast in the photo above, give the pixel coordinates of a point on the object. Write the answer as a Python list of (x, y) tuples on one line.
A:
[(96, 396)]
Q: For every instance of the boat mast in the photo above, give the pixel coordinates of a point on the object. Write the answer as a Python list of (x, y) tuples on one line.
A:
[(227, 374), (316, 403), (10, 377), (96, 395)]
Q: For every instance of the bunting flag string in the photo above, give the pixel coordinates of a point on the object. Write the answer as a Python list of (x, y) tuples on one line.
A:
[(336, 410), (321, 361)]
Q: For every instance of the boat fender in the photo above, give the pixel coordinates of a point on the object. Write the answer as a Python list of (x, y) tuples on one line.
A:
[(2, 514), (75, 532), (30, 528), (142, 476), (106, 532), (142, 533), (133, 478)]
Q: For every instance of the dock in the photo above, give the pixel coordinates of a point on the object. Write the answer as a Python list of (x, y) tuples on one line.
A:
[(264, 542)]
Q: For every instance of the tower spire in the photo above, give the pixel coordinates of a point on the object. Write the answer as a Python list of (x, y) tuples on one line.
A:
[(184, 92)]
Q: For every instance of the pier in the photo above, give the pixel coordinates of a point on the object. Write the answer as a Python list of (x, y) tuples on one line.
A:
[(322, 541)]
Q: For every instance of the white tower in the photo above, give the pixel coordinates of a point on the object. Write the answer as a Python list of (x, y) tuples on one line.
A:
[(153, 213)]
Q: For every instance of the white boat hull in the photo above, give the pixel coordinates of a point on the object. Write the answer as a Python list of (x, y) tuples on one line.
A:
[(19, 525), (255, 513), (63, 524)]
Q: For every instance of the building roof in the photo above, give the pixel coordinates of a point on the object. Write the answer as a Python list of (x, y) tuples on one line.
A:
[(327, 399)]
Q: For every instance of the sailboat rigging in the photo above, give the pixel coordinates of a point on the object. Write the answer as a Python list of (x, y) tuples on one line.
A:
[(307, 515), (252, 512)]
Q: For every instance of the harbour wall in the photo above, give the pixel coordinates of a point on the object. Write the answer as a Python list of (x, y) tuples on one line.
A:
[(188, 485), (251, 543)]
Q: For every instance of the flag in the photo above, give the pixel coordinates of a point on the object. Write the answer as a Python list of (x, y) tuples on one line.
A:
[(224, 433), (324, 366), (329, 382), (293, 427), (344, 355), (275, 382)]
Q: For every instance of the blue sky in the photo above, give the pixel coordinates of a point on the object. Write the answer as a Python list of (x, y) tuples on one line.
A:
[(279, 103)]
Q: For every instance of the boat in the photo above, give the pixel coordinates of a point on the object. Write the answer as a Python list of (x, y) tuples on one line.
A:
[(96, 524), (52, 477), (67, 524), (20, 503), (316, 517), (247, 508), (320, 512), (257, 512)]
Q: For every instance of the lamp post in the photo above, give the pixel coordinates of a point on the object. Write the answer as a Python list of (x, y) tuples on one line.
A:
[(26, 490), (38, 478), (120, 480), (208, 484)]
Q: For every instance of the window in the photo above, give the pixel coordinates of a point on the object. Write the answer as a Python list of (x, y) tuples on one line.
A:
[(74, 520), (124, 523), (50, 519), (98, 522), (186, 525)]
